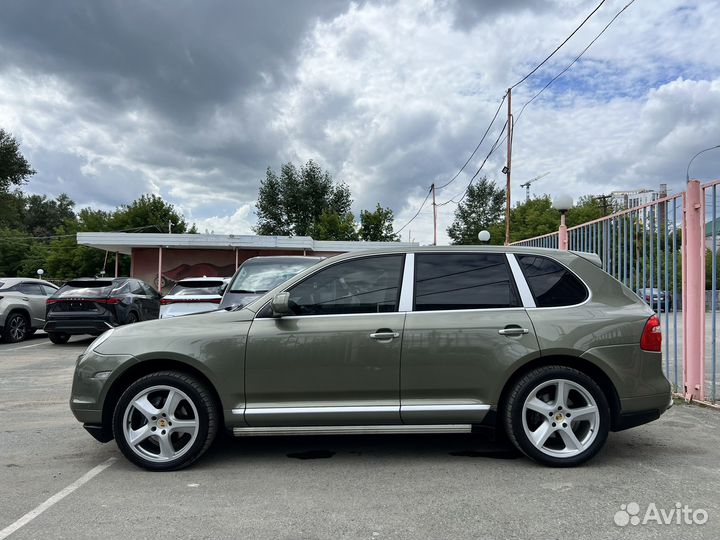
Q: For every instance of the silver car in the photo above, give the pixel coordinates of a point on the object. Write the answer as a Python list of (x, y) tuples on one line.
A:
[(193, 295), (22, 307)]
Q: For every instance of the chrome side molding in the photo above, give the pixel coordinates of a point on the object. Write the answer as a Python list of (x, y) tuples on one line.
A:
[(350, 430)]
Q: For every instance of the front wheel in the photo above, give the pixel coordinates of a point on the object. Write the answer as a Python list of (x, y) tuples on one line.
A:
[(165, 421), (557, 416)]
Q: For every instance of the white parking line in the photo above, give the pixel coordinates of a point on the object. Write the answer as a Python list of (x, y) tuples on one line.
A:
[(60, 495), (24, 347)]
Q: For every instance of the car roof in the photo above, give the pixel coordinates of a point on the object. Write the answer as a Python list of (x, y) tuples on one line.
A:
[(10, 281)]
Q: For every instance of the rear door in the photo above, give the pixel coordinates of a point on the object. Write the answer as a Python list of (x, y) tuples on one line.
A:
[(34, 295), (467, 327), (153, 301)]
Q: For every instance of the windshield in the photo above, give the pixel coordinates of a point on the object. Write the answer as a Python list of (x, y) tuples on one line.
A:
[(196, 288), (260, 277)]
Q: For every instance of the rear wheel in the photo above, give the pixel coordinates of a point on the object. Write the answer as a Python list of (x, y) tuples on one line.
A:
[(557, 416), (59, 338), (17, 328), (132, 318), (165, 421)]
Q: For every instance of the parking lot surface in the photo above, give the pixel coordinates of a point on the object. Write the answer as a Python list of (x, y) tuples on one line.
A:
[(373, 487)]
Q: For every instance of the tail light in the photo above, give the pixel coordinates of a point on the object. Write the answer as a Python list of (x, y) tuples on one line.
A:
[(651, 339), (166, 301), (52, 301), (96, 300), (108, 300)]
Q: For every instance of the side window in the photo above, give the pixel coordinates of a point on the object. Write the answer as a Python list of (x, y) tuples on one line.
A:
[(49, 291), (136, 288), (370, 285), (31, 288), (149, 291), (551, 283), (445, 281)]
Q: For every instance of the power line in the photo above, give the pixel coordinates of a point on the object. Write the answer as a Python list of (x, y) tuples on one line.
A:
[(416, 214), (478, 145), (556, 77), (48, 237), (494, 147), (548, 57)]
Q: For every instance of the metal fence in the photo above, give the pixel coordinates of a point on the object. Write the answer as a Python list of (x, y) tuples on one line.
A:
[(643, 248)]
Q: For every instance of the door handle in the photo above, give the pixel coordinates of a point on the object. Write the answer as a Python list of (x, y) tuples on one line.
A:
[(386, 335), (513, 331), (25, 298)]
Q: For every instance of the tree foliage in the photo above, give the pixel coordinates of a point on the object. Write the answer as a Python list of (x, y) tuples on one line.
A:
[(481, 209), (377, 226), (14, 168), (292, 203)]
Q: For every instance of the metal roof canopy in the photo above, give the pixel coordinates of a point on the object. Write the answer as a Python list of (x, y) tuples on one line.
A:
[(125, 242)]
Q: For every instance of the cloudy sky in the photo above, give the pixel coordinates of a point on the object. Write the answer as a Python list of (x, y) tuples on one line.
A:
[(194, 100)]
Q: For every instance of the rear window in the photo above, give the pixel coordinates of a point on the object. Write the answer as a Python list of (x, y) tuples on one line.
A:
[(197, 288), (446, 281), (87, 289), (551, 283)]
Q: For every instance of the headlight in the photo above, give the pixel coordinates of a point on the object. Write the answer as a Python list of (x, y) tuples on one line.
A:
[(98, 341)]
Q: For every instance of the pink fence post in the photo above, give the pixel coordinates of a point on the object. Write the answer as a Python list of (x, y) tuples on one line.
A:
[(693, 261), (562, 234)]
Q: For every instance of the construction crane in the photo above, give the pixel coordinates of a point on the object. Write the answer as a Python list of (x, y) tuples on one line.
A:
[(526, 185)]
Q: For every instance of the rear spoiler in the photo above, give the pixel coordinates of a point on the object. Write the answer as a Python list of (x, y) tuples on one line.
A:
[(589, 256)]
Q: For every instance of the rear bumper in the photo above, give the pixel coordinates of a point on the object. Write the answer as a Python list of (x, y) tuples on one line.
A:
[(633, 419), (78, 326), (100, 432)]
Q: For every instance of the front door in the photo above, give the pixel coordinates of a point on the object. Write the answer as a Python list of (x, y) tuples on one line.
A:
[(336, 360)]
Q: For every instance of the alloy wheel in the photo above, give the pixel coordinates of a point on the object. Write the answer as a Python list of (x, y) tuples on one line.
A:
[(160, 423), (560, 418), (18, 328)]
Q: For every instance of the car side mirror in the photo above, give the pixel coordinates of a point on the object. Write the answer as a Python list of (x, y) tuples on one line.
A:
[(280, 304)]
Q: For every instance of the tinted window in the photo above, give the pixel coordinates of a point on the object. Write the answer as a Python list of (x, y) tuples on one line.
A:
[(31, 288), (149, 291), (369, 285), (463, 281), (86, 289), (551, 283), (136, 288)]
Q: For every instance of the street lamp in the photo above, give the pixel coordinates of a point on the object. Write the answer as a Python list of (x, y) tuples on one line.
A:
[(562, 203), (484, 236), (687, 173)]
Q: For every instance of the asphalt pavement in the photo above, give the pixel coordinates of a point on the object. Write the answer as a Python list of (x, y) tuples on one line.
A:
[(56, 481)]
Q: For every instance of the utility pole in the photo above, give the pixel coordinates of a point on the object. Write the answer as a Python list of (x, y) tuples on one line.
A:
[(434, 216), (508, 167)]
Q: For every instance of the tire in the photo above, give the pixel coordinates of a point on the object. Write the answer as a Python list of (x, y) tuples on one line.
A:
[(16, 329), (147, 410), (59, 338), (30, 332), (132, 318), (537, 422)]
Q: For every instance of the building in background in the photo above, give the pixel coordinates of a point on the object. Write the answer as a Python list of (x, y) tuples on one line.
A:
[(163, 259), (623, 200)]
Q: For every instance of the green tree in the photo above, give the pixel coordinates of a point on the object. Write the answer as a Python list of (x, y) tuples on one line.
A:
[(292, 203), (481, 209), (150, 213), (41, 216), (377, 226), (14, 168), (333, 226)]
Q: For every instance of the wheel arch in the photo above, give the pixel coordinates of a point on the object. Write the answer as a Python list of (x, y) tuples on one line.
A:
[(140, 369), (588, 368)]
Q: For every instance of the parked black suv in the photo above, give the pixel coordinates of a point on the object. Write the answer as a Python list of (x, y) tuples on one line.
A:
[(91, 306)]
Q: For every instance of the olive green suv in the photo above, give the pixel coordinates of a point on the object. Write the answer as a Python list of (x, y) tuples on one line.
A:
[(539, 344)]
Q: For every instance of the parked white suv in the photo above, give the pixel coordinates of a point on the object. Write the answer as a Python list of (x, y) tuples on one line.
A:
[(22, 307)]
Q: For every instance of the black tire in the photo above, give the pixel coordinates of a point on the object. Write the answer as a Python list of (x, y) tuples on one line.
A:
[(148, 454), (132, 318), (59, 338), (17, 326), (30, 332), (591, 432)]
